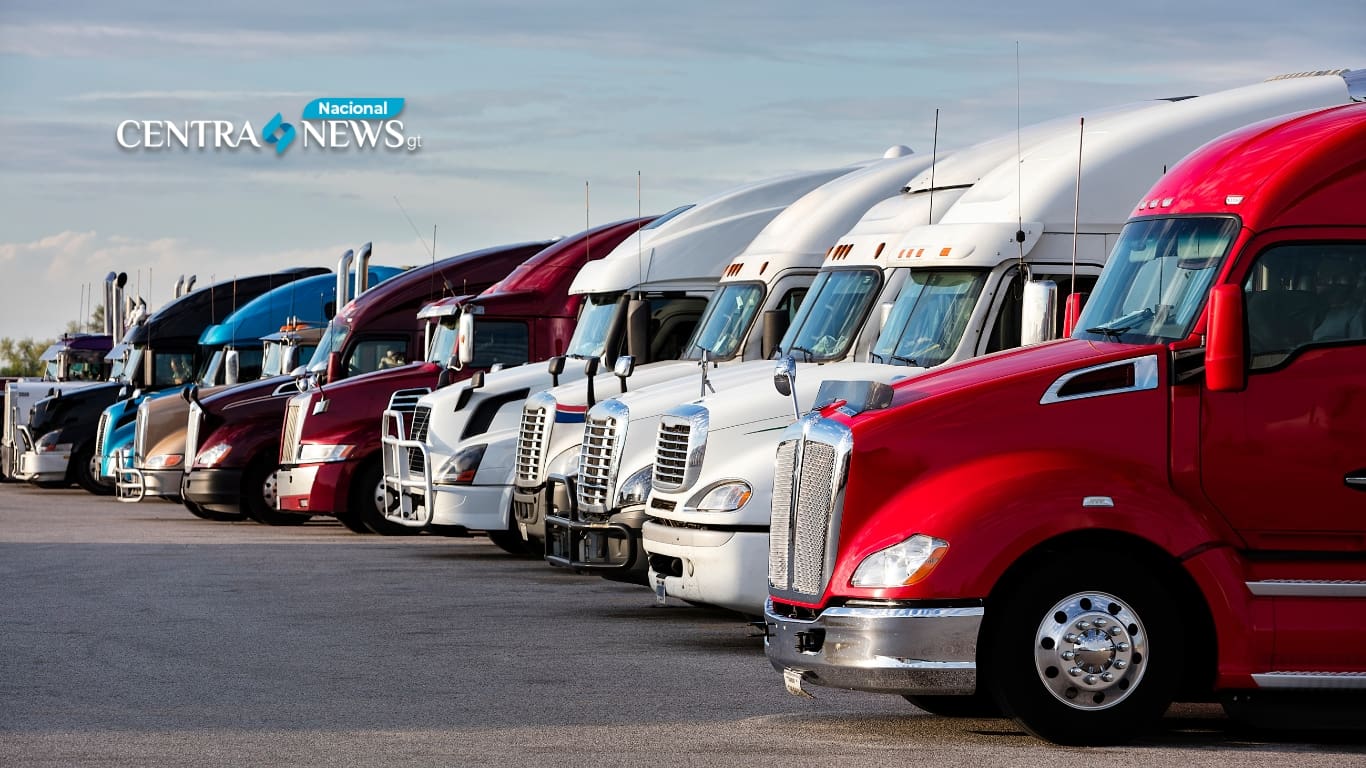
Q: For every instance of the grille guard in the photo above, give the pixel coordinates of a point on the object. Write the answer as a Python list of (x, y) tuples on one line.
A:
[(565, 533), (407, 497)]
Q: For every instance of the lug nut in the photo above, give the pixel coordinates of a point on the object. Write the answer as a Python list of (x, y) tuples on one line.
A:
[(1074, 671), (1101, 622), (1107, 677), (1121, 663), (1089, 680), (1083, 625), (1070, 638), (1122, 646), (1069, 655), (1116, 631)]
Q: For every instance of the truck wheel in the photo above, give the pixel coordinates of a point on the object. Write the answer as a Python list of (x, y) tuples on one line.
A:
[(510, 541), (260, 488), (85, 470), (210, 514), (367, 501), (1070, 653), (979, 704)]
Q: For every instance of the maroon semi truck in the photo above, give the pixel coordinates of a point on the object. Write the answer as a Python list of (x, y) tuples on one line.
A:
[(330, 450), (234, 434)]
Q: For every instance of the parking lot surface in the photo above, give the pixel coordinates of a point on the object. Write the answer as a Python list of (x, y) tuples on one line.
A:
[(136, 634)]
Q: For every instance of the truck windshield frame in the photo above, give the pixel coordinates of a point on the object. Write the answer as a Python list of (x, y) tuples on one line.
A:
[(333, 339), (929, 317), (727, 321), (844, 297), (596, 318), (1157, 279)]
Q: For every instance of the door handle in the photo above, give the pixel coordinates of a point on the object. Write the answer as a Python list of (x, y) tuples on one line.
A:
[(1355, 480)]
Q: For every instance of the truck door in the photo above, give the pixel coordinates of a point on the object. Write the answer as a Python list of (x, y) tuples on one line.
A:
[(1285, 459)]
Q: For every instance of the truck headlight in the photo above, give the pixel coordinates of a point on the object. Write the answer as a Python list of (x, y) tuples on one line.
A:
[(48, 443), (637, 487), (461, 468), (901, 564), (211, 456), (726, 497), (166, 460), (322, 452)]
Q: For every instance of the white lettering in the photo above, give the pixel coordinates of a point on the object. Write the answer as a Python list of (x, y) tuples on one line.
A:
[(222, 134), (248, 134), (367, 134), (177, 133), (122, 138), (394, 131), (150, 134), (314, 133), (336, 134)]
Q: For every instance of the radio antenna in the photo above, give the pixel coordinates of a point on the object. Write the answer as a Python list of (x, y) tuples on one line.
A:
[(1076, 202), (934, 156), (1019, 175), (640, 237), (587, 254)]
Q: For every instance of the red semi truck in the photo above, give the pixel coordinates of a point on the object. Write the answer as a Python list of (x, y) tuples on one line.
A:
[(528, 316), (234, 434), (1166, 506)]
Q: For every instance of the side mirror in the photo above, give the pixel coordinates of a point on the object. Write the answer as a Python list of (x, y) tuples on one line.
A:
[(623, 368), (465, 342), (555, 366), (775, 325), (1225, 341), (334, 367), (785, 381), (232, 367), (1070, 315), (298, 371), (1038, 311)]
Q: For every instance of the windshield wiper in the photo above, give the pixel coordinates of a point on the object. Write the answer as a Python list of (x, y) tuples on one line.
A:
[(907, 360), (809, 355), (1124, 324)]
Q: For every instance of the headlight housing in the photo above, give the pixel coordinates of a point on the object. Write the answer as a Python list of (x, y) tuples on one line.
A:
[(637, 487), (48, 443), (727, 496), (566, 464), (322, 452), (211, 456), (165, 460), (461, 467), (902, 564)]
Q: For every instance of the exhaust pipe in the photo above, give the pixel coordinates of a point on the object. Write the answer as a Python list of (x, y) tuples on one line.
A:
[(362, 271), (120, 323), (343, 267), (109, 305), (179, 286), (189, 284)]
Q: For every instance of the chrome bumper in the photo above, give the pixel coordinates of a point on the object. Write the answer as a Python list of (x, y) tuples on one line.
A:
[(407, 495), (128, 480), (904, 650)]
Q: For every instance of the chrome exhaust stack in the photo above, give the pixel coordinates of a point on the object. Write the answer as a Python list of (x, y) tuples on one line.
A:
[(343, 268), (362, 271)]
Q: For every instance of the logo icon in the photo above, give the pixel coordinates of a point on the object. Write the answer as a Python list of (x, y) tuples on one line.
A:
[(285, 130)]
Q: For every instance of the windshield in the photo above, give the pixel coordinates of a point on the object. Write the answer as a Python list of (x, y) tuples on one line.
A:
[(1156, 279), (929, 317), (53, 371), (595, 321), (332, 341), (443, 340), (82, 366), (726, 321), (208, 372), (831, 314)]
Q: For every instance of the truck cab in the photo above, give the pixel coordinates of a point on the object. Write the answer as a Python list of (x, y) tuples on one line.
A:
[(234, 435), (1168, 507), (147, 458), (962, 295)]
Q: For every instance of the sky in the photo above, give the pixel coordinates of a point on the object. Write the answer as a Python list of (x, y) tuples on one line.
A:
[(520, 103)]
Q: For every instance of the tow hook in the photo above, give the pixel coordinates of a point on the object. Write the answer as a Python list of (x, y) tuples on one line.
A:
[(810, 641)]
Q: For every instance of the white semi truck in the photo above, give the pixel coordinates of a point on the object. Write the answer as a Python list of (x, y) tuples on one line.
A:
[(713, 482), (641, 301)]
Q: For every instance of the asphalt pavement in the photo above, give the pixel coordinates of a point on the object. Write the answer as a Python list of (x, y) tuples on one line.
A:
[(136, 634)]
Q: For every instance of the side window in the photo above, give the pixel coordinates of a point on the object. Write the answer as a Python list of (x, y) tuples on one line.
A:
[(790, 302), (672, 320), (1005, 332), (497, 341), (1304, 294), (172, 368), (375, 354)]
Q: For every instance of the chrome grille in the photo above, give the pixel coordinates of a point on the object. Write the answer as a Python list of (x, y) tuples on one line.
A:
[(289, 439), (422, 417), (671, 455), (808, 494), (192, 425), (140, 426), (532, 438), (602, 434), (405, 400), (779, 532), (99, 434)]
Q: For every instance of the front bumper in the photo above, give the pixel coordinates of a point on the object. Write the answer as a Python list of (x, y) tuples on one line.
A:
[(607, 545), (728, 569), (45, 467), (216, 489), (529, 505), (314, 489), (901, 649), (413, 499), (136, 484)]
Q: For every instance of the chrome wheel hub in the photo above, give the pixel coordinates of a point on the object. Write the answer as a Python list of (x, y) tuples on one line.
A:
[(1091, 650), (270, 489), (381, 503)]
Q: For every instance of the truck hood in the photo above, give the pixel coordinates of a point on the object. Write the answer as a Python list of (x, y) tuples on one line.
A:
[(681, 376), (532, 377), (230, 397)]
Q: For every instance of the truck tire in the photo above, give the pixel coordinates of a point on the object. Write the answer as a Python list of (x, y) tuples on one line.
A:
[(980, 704), (510, 541), (1067, 652), (367, 501), (259, 491), (85, 471), (210, 514)]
